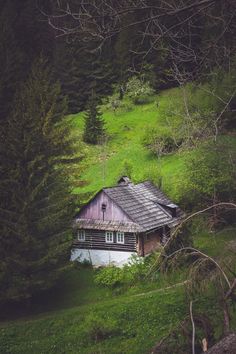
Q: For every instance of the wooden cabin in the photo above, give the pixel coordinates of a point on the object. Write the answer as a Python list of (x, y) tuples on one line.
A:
[(123, 220)]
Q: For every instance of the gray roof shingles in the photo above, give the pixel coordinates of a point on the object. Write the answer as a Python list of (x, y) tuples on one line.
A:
[(144, 204)]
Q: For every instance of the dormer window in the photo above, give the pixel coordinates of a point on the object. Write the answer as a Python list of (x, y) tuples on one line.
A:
[(173, 209)]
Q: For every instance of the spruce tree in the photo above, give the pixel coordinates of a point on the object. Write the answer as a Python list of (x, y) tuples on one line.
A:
[(36, 208), (94, 125)]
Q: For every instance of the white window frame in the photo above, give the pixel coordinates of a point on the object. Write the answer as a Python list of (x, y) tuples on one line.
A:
[(109, 237), (120, 235), (81, 235)]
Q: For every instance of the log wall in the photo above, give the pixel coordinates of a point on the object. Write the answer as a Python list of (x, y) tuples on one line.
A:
[(96, 239)]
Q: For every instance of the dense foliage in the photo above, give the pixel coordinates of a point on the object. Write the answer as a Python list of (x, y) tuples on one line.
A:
[(35, 220), (136, 270)]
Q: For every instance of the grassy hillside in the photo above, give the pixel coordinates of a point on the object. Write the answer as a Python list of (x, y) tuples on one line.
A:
[(124, 149), (125, 325), (125, 130)]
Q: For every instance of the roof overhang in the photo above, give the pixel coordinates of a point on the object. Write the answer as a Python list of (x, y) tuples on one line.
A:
[(93, 224)]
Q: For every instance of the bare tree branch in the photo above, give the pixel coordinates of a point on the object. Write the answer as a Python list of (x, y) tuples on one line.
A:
[(193, 326)]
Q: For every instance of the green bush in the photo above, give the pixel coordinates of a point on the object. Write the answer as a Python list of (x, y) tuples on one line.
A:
[(110, 277), (114, 104), (160, 141), (139, 91), (136, 270)]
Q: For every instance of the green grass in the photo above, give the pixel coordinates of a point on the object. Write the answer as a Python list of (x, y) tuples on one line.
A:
[(62, 320), (215, 243), (104, 164), (137, 323), (71, 317)]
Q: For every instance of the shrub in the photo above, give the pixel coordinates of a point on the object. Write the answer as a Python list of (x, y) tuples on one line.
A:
[(160, 141), (135, 270), (139, 91), (116, 105), (110, 277)]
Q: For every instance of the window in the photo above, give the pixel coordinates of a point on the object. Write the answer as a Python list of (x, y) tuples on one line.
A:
[(109, 236), (120, 238), (81, 235)]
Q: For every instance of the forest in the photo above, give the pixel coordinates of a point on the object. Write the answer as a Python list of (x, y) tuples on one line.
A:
[(90, 91)]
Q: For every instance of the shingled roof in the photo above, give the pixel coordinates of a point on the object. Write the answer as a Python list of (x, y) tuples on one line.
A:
[(145, 204)]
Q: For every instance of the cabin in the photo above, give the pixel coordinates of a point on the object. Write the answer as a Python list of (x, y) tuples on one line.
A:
[(123, 220)]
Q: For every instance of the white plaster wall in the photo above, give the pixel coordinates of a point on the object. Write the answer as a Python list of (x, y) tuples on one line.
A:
[(100, 257)]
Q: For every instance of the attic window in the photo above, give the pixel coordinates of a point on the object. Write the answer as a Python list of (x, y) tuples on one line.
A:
[(104, 206), (81, 235)]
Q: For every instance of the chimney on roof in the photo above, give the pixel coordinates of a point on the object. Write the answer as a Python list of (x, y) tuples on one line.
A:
[(124, 180)]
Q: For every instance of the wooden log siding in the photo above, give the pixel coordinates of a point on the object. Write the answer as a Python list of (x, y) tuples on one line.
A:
[(96, 239)]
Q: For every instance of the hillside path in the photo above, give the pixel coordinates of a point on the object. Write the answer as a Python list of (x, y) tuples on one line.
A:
[(162, 289)]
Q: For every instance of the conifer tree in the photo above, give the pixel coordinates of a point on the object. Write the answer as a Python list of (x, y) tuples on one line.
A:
[(94, 125), (35, 205)]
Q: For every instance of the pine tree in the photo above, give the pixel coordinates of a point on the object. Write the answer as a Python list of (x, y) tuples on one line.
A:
[(94, 125), (35, 203)]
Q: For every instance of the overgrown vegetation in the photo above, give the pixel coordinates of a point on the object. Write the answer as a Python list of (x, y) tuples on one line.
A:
[(135, 271)]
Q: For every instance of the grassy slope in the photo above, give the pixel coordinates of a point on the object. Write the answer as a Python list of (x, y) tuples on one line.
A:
[(125, 131), (77, 308)]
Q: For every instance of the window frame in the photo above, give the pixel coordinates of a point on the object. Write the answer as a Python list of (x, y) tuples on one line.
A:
[(107, 235), (81, 235), (119, 234)]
